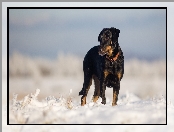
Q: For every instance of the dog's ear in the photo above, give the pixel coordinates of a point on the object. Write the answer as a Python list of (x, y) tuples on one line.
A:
[(115, 34), (118, 31), (99, 37), (101, 34)]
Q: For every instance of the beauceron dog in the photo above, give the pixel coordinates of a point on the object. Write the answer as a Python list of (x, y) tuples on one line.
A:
[(105, 64)]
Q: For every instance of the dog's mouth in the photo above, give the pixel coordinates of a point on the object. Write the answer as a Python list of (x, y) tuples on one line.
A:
[(105, 46), (105, 50)]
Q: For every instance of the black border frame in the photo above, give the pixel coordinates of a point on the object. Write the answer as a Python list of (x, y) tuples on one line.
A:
[(8, 8)]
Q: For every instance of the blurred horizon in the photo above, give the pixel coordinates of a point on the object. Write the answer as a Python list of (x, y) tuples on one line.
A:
[(26, 74), (46, 33)]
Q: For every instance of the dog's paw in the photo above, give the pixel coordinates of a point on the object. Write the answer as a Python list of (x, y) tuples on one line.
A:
[(103, 101)]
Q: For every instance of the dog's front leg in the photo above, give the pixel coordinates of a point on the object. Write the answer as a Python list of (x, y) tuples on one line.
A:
[(102, 91), (103, 86), (115, 93)]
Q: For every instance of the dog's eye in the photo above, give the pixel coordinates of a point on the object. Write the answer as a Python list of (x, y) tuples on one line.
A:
[(107, 38)]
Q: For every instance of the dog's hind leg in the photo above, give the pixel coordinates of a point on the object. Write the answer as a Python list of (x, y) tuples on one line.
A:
[(103, 94), (97, 88), (103, 86), (86, 85)]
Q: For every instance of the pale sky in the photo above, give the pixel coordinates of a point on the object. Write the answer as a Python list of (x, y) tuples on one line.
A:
[(46, 33)]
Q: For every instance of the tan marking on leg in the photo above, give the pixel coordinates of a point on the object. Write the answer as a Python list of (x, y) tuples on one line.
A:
[(97, 88), (119, 75), (114, 101), (95, 98), (83, 100)]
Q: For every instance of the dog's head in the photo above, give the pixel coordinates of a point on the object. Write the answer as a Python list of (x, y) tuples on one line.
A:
[(108, 39)]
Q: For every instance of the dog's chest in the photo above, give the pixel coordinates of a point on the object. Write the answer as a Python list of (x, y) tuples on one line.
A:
[(110, 66)]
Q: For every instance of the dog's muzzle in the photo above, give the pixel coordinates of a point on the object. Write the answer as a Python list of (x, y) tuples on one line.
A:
[(101, 52), (104, 49)]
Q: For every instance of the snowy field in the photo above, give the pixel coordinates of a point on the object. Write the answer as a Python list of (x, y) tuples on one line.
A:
[(43, 91)]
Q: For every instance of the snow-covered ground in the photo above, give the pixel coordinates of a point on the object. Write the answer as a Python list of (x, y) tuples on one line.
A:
[(46, 92), (130, 110)]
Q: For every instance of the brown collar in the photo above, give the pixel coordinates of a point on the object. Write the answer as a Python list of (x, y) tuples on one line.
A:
[(114, 58)]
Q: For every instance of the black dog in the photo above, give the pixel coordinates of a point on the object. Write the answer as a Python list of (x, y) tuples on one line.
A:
[(105, 64)]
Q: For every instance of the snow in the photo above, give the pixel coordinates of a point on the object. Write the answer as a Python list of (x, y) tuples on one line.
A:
[(41, 94), (60, 110)]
